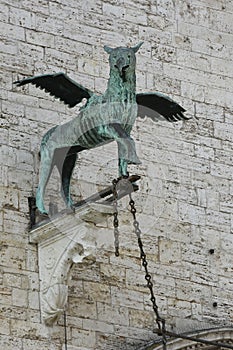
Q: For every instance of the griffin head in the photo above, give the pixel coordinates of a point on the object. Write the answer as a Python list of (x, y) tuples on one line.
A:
[(122, 59)]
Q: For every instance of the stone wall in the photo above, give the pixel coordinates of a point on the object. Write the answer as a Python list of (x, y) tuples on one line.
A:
[(185, 199)]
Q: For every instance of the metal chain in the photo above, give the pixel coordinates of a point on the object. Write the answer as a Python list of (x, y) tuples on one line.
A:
[(115, 216), (124, 184), (65, 328), (159, 320)]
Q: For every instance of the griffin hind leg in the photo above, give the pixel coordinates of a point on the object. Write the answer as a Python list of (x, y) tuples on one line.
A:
[(46, 167), (65, 159), (67, 171)]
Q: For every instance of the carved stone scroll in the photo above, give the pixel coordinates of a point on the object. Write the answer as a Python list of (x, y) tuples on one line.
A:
[(63, 241)]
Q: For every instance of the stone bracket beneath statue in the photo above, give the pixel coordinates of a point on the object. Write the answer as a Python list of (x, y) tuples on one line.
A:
[(62, 241)]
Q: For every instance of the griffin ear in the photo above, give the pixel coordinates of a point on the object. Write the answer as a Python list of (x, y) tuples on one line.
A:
[(108, 49), (137, 47)]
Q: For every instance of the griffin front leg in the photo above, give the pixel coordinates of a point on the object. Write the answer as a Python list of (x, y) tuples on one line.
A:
[(122, 167)]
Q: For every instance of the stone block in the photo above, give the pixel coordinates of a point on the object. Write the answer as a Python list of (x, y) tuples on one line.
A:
[(4, 13), (169, 251), (30, 51), (21, 17), (180, 309), (33, 300), (192, 214), (19, 297), (9, 343), (38, 345), (219, 96), (221, 170), (5, 326), (12, 256), (52, 27), (193, 254), (112, 10), (39, 38), (32, 260), (83, 338), (127, 298), (8, 156), (5, 293), (86, 65), (141, 319), (106, 313), (222, 131), (219, 220), (220, 20), (60, 59), (12, 280), (84, 308), (196, 92), (133, 332), (114, 274), (193, 292), (131, 16), (98, 326), (12, 108), (8, 47), (135, 280), (96, 291), (14, 221), (12, 31)]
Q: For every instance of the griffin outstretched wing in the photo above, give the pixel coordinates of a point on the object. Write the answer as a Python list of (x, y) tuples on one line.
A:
[(60, 86), (154, 104)]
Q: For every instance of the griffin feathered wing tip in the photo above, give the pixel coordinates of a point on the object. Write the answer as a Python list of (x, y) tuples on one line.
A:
[(60, 86), (155, 104)]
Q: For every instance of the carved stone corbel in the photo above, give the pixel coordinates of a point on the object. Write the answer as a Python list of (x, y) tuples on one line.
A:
[(62, 241)]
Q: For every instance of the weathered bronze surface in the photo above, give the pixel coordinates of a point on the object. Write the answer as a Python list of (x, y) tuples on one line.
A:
[(103, 119)]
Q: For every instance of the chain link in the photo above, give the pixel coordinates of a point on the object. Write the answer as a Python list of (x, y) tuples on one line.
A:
[(65, 328), (115, 216), (122, 184), (159, 320), (161, 331)]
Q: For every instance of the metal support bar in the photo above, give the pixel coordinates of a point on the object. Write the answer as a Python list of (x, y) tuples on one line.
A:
[(107, 192)]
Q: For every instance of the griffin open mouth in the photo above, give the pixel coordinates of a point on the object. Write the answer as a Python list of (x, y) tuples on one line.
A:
[(122, 71)]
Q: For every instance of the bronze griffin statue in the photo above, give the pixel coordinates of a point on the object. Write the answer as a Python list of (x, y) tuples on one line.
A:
[(103, 119)]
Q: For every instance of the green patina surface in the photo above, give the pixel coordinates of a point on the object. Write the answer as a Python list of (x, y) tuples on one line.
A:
[(105, 118)]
